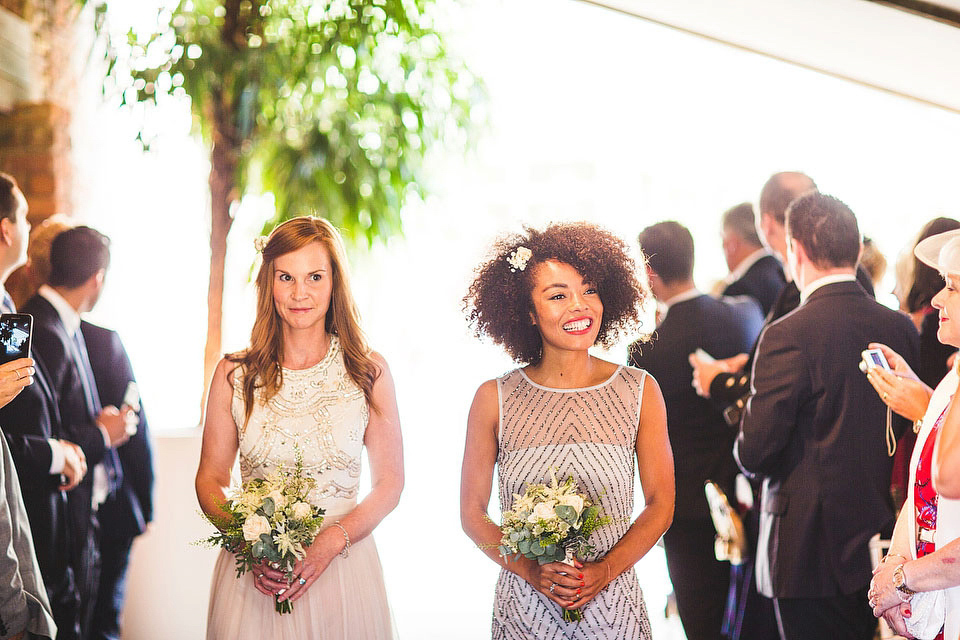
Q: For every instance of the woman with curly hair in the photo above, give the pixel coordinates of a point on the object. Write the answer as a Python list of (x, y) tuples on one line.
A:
[(309, 386), (546, 297)]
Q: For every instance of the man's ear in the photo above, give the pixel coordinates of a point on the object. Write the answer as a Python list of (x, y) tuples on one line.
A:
[(97, 278), (6, 231)]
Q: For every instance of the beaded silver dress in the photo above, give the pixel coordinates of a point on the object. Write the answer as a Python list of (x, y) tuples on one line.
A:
[(590, 434), (322, 413)]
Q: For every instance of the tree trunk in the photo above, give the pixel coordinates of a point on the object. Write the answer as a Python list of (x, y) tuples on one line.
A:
[(223, 164), (224, 157)]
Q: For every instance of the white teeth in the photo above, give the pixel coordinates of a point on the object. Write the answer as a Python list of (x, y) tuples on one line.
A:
[(579, 325)]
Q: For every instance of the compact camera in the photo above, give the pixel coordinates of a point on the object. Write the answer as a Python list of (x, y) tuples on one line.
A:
[(872, 358)]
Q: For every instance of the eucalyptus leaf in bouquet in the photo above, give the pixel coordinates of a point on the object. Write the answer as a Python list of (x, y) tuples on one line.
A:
[(269, 520), (550, 523)]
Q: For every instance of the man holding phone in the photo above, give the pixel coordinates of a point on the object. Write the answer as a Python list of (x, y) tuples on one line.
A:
[(78, 259), (34, 565)]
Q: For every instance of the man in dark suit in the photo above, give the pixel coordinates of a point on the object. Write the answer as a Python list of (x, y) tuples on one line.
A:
[(78, 259), (31, 503), (48, 464), (814, 429), (125, 515), (702, 442), (754, 270)]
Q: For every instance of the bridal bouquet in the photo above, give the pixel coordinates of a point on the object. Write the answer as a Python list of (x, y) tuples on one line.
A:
[(270, 520), (550, 523)]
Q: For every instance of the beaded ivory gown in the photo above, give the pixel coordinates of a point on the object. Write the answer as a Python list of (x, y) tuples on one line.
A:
[(590, 434), (322, 412)]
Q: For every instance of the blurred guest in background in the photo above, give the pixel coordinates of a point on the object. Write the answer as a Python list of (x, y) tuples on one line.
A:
[(79, 258), (754, 270), (49, 463), (701, 440), (24, 603), (905, 398), (924, 550), (124, 515), (873, 262), (810, 419)]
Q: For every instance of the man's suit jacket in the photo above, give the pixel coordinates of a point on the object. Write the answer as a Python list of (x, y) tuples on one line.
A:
[(55, 346), (127, 514), (731, 388), (23, 598), (815, 429), (702, 441), (762, 282), (28, 421)]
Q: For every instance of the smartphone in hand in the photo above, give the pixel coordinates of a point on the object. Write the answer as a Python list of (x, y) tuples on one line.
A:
[(16, 336)]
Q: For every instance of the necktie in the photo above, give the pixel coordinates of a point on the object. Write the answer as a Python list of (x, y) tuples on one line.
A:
[(109, 471), (87, 379)]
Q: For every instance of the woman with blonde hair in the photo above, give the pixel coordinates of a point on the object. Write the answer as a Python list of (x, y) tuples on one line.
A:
[(307, 385)]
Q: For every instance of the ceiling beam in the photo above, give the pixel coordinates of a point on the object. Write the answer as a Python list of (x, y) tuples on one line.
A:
[(863, 42)]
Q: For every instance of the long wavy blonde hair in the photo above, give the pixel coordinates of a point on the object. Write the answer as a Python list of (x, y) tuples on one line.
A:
[(260, 362)]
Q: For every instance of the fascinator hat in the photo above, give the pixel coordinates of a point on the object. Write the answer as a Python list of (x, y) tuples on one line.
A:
[(942, 252)]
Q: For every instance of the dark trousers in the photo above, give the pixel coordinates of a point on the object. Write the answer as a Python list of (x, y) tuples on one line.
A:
[(114, 559), (700, 582), (88, 571), (749, 615), (844, 617)]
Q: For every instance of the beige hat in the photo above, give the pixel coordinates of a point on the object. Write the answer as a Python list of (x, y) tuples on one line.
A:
[(942, 252)]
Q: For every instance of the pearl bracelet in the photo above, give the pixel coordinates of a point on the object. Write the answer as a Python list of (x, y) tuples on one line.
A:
[(346, 550)]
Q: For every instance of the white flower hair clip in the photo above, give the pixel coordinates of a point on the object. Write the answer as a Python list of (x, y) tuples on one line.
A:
[(260, 242), (518, 258)]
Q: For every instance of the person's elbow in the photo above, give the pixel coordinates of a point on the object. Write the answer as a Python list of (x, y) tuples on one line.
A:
[(750, 460)]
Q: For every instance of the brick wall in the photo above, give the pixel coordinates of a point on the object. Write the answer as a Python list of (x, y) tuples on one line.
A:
[(34, 149), (18, 7)]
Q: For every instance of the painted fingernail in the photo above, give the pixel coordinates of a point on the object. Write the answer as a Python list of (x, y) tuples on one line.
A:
[(582, 583), (281, 592), (578, 591), (580, 577), (907, 613)]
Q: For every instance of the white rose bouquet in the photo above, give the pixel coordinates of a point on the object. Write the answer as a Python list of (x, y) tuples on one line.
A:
[(271, 520), (550, 523)]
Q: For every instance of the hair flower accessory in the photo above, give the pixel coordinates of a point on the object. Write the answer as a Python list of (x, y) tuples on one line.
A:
[(260, 242), (519, 257)]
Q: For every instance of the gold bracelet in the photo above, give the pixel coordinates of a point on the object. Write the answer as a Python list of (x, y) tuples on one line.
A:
[(346, 550)]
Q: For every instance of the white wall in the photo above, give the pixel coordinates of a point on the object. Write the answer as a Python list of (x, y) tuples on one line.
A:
[(169, 580)]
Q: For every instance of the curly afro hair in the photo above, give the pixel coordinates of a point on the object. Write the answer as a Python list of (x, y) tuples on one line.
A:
[(499, 302)]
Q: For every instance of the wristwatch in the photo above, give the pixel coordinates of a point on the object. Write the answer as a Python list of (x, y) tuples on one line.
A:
[(900, 581)]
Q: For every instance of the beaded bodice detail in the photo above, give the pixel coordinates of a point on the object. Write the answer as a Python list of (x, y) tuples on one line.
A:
[(319, 411), (591, 435), (587, 433)]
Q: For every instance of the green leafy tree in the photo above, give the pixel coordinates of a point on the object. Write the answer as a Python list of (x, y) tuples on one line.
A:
[(329, 105)]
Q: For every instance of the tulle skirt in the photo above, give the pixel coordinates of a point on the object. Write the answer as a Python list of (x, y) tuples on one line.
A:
[(347, 602)]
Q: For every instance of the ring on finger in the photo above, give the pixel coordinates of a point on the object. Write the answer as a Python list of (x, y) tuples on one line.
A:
[(553, 585), (17, 371), (302, 580)]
